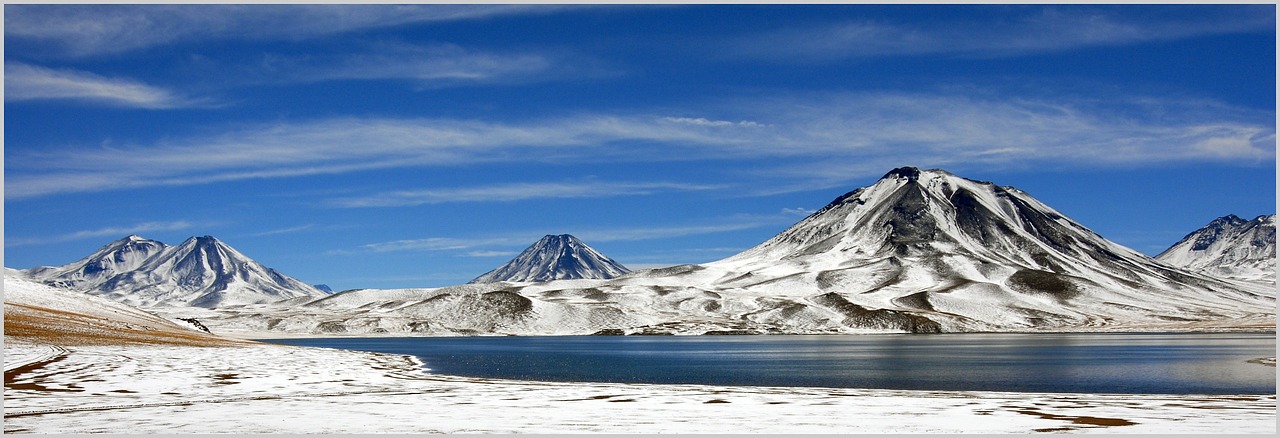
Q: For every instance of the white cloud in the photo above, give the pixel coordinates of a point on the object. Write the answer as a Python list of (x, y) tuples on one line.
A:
[(798, 211), (473, 246), (492, 253), (810, 141), (515, 192), (28, 82), (699, 121), (112, 232), (87, 30), (335, 146), (289, 230), (652, 233), (446, 243), (430, 66), (1037, 30)]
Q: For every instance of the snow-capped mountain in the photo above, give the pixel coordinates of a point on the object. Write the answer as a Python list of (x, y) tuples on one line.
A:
[(1229, 247), (555, 257), (917, 251), (199, 272), (117, 257)]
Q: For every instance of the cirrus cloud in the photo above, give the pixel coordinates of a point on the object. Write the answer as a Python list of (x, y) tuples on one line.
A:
[(802, 142), (23, 82)]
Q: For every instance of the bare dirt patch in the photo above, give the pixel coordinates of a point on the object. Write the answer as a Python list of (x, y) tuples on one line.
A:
[(1075, 420), (59, 327)]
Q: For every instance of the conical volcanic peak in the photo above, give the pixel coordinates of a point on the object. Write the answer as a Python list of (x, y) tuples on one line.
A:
[(555, 257), (1229, 247), (930, 229)]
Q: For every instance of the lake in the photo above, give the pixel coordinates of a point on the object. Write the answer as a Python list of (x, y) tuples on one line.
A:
[(1043, 362)]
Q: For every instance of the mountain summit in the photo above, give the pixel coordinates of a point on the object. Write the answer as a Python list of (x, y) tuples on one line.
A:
[(199, 272), (555, 257), (1229, 247)]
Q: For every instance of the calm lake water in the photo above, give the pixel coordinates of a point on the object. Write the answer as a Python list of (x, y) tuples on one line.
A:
[(1088, 363)]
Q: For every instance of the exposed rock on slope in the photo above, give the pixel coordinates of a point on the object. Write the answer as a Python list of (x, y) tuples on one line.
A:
[(561, 257), (53, 315), (1229, 247)]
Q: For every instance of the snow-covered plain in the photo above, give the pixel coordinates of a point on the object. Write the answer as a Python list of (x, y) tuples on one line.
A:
[(279, 389)]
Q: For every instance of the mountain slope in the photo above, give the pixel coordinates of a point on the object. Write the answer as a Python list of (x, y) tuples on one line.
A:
[(48, 314), (1229, 247), (555, 257), (199, 272), (917, 251)]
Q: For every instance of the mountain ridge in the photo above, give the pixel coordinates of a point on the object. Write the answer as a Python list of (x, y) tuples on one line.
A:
[(202, 271)]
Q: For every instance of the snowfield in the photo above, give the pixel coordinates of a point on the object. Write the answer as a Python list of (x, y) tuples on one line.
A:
[(279, 389)]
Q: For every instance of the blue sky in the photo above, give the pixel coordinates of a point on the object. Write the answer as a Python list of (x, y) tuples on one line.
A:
[(423, 145)]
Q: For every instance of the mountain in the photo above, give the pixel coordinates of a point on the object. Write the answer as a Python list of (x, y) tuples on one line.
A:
[(117, 257), (919, 251), (199, 272), (561, 257), (1229, 247)]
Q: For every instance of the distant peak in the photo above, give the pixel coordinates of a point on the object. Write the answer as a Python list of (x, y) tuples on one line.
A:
[(135, 238)]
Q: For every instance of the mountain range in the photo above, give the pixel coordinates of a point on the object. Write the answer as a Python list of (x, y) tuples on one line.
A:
[(199, 272), (918, 251)]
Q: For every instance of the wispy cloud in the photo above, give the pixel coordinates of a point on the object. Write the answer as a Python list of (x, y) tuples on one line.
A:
[(653, 233), (509, 244), (516, 192), (112, 232), (701, 121), (802, 140), (339, 146), (429, 66), (798, 211), (443, 244), (28, 82), (492, 253), (289, 230), (88, 30), (1037, 30)]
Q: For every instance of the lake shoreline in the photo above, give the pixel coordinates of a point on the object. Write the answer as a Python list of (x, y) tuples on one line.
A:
[(1146, 363)]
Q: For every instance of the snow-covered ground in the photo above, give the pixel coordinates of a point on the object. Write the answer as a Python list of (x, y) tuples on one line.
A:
[(80, 364), (279, 389)]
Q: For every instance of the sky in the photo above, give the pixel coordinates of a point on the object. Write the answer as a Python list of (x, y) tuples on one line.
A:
[(396, 146)]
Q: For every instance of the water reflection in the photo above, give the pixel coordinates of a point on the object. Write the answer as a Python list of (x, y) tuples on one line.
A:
[(1098, 363)]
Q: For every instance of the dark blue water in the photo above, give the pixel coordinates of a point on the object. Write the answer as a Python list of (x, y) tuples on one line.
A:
[(1087, 363)]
